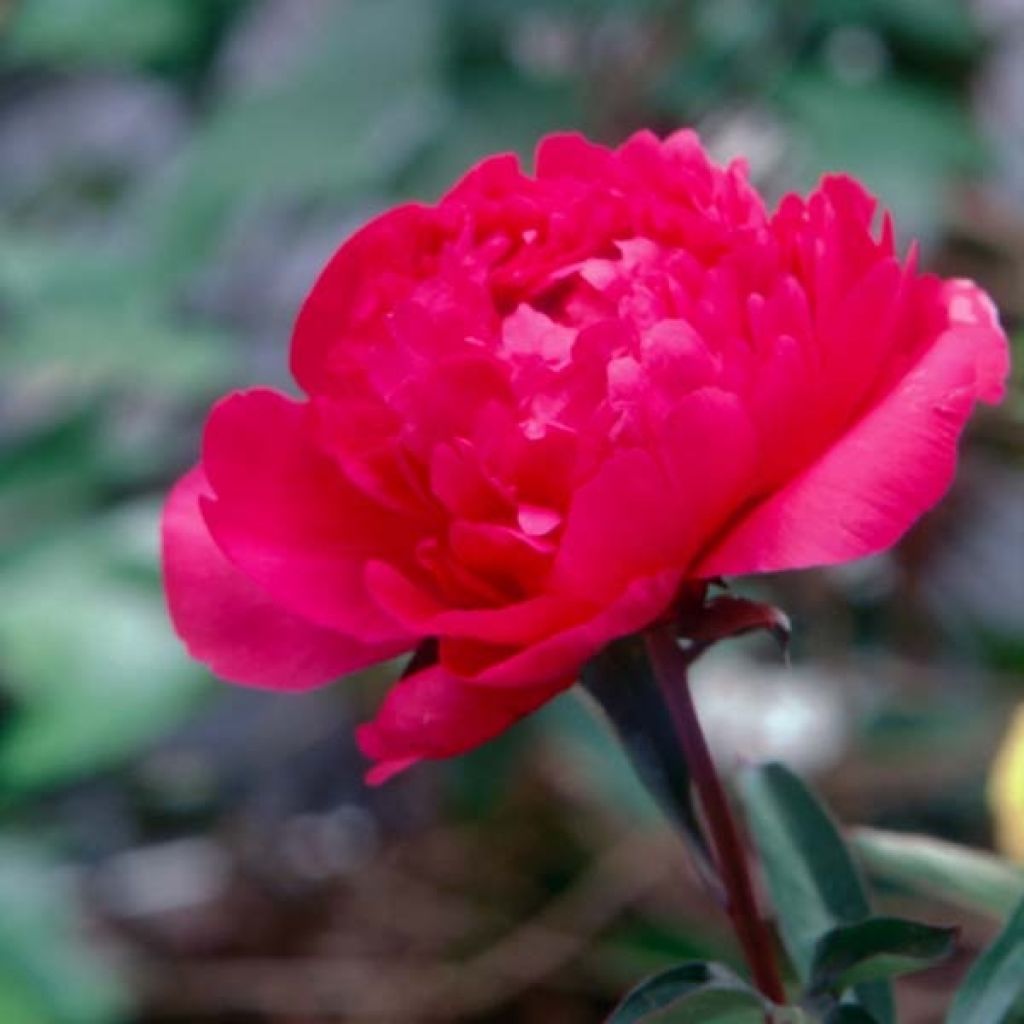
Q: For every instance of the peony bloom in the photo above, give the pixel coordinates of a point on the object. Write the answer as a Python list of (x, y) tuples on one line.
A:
[(534, 410)]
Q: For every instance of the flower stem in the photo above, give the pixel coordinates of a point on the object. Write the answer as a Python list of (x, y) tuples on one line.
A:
[(670, 664)]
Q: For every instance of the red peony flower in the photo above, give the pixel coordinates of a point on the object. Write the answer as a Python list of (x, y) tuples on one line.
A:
[(534, 410)]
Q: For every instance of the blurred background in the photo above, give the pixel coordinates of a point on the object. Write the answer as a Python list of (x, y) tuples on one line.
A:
[(172, 175)]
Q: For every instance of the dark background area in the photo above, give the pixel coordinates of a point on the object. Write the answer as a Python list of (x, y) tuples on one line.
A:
[(172, 175)]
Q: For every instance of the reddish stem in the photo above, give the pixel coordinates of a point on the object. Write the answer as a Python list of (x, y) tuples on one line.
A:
[(670, 664)]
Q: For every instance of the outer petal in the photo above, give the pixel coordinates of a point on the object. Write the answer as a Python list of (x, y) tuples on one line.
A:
[(289, 520), (230, 624), (365, 279), (889, 467), (433, 714)]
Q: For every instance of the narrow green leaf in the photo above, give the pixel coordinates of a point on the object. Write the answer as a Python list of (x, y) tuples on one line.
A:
[(880, 947), (620, 680), (955, 874), (710, 990), (996, 981), (814, 883)]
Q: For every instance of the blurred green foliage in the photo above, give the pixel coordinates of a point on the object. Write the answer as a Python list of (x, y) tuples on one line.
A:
[(46, 974)]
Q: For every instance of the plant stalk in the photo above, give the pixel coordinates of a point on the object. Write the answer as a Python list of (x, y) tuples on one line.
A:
[(670, 665)]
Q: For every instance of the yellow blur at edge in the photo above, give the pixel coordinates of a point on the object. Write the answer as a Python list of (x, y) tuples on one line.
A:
[(1006, 790)]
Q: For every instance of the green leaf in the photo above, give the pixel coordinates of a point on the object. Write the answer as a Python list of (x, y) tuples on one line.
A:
[(87, 655), (497, 111), (958, 875), (621, 682), (880, 947), (862, 130), (943, 29), (346, 121), (17, 1004), (995, 983), (89, 346), (814, 883), (79, 324), (48, 973), (46, 473), (101, 31), (700, 991)]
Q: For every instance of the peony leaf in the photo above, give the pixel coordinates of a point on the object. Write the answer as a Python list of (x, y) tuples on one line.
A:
[(697, 991), (880, 947), (814, 883), (620, 680), (994, 986), (955, 874)]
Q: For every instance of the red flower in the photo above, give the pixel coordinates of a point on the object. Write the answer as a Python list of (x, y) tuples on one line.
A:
[(536, 408)]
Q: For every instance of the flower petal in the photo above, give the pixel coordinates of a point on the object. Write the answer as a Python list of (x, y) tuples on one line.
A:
[(619, 525), (231, 625), (561, 655), (432, 714), (646, 511), (521, 622), (367, 277), (869, 486), (286, 516)]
